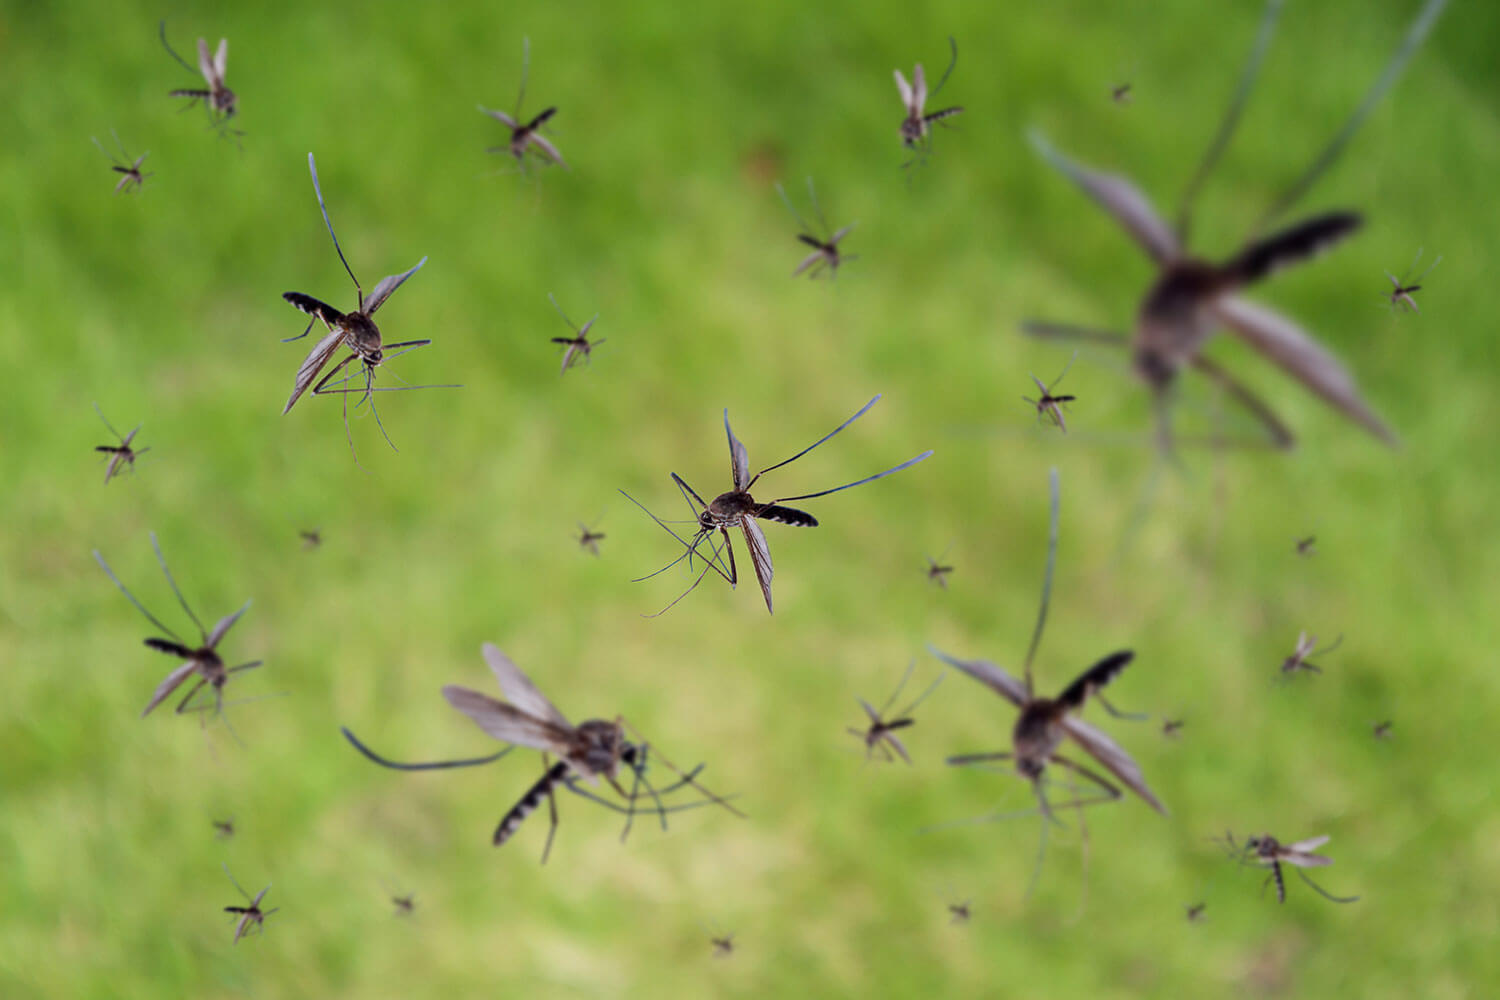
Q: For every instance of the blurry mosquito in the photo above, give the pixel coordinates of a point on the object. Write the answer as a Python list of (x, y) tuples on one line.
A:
[(1382, 730), (252, 917), (224, 828), (218, 98), (354, 330), (959, 912), (1307, 546), (881, 733), (737, 508), (589, 751), (1192, 297), (121, 454), (915, 127), (203, 660), (1194, 912), (527, 136), (1120, 92), (1266, 850), (311, 539), (131, 177), (1402, 288), (937, 571), (1171, 727), (1047, 405), (723, 944), (1302, 655), (1045, 723), (826, 256), (588, 538), (405, 905), (575, 344)]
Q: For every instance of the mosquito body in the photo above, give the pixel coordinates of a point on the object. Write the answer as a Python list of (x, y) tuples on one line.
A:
[(881, 732), (131, 177), (203, 660), (218, 98), (1120, 93), (1404, 288), (1382, 730), (916, 127), (1194, 912), (1307, 546), (405, 905), (938, 572), (1269, 852), (723, 945), (578, 344), (826, 256), (738, 509), (251, 917), (589, 539), (1171, 728), (526, 135), (958, 913), (1192, 297), (1300, 660), (122, 454), (1048, 405), (224, 828), (311, 539)]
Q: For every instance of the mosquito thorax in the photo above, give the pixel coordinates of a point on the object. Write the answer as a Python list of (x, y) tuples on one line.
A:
[(598, 747)]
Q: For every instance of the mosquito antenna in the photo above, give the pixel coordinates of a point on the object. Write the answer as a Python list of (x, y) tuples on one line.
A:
[(1231, 117), (162, 30), (312, 166), (139, 606), (1041, 846), (1415, 35), (847, 486), (525, 66), (952, 62), (1321, 891), (689, 778), (1041, 614), (820, 440), (691, 588), (433, 766), (689, 546)]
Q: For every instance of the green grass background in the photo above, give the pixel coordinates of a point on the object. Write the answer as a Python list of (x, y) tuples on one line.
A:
[(678, 119)]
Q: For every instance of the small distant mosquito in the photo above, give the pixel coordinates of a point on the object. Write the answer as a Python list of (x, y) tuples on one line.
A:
[(119, 454), (1307, 648), (252, 917), (224, 828), (723, 945), (1307, 546), (579, 342), (826, 256), (218, 98), (881, 733), (1195, 912), (737, 508), (1382, 730), (529, 135), (1048, 405), (959, 912), (1171, 727), (131, 177), (311, 539), (203, 661), (915, 131), (1266, 850), (1120, 92), (588, 538), (1403, 288), (405, 905), (937, 572)]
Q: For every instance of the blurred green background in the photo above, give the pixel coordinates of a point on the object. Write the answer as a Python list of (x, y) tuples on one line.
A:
[(678, 119)]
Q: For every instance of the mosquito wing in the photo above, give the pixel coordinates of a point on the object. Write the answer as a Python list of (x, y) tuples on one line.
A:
[(1304, 860), (172, 683), (1120, 198), (544, 145), (113, 466), (918, 88), (760, 555), (239, 930), (205, 61), (221, 61), (1107, 752), (312, 364), (904, 89), (225, 624), (870, 711), (387, 286), (986, 672), (506, 722), (500, 116), (1311, 844), (834, 239), (808, 261), (518, 688), (739, 461)]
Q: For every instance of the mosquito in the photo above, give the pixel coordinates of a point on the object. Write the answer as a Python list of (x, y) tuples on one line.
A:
[(1307, 546), (1192, 297), (354, 330), (1047, 405), (1306, 649), (1402, 288), (311, 539), (1170, 728), (131, 177), (1195, 912), (1120, 92), (959, 912), (1382, 730), (203, 661), (577, 343), (588, 538), (405, 905), (589, 751), (1266, 850), (881, 733), (915, 127), (723, 945), (527, 136), (937, 572), (251, 916), (224, 828), (737, 508), (218, 98), (121, 454), (826, 256), (1045, 723)]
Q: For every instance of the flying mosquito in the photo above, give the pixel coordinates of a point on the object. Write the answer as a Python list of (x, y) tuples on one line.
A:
[(121, 454), (1194, 912), (354, 330), (131, 177), (1170, 728), (1302, 655), (1045, 723), (405, 905), (218, 98), (577, 343), (881, 733), (252, 917), (1266, 850), (1402, 289), (1192, 297), (1307, 546), (1382, 730), (915, 127), (723, 944), (1120, 92), (526, 136), (224, 828), (311, 539), (959, 912), (203, 661), (938, 572), (588, 538), (737, 508), (1047, 405), (826, 256), (589, 751)]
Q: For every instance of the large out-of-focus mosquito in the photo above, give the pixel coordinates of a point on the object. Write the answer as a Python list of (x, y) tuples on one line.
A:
[(826, 256), (1301, 658), (131, 177), (121, 454), (355, 330), (526, 135), (1192, 297), (737, 508), (1403, 288), (916, 126), (1045, 723), (203, 660), (252, 917), (1267, 851), (589, 539), (881, 732), (1048, 405), (577, 344), (589, 751), (218, 98)]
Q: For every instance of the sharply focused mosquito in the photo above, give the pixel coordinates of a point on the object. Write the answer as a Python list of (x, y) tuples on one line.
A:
[(252, 917), (1266, 850), (881, 733), (589, 751), (588, 538), (1192, 297), (131, 177), (737, 508), (915, 127), (218, 98), (121, 454), (1402, 288), (354, 330), (1046, 404), (528, 135), (1302, 655), (1045, 723), (577, 343), (203, 661), (826, 256)]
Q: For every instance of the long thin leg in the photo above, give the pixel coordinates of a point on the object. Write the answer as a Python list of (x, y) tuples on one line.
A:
[(433, 766), (162, 560), (1055, 491), (1321, 891), (551, 814), (131, 597)]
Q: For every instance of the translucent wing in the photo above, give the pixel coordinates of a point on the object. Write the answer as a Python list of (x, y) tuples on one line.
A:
[(739, 461), (205, 62), (842, 232), (548, 150), (1311, 844), (904, 89), (986, 672), (870, 711), (1120, 198), (499, 116), (239, 930), (1109, 753), (918, 88), (166, 687), (225, 624), (1305, 860), (221, 60), (900, 748), (312, 364), (519, 689), (387, 286), (760, 557), (808, 261), (506, 722)]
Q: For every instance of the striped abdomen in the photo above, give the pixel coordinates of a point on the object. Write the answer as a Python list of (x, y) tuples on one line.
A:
[(533, 798)]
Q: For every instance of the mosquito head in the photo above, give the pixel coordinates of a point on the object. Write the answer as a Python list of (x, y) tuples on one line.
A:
[(224, 101), (599, 747)]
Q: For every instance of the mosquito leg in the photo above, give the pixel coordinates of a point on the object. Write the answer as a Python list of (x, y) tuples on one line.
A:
[(1323, 892), (1044, 330), (162, 560), (1133, 716), (432, 766), (1281, 437), (181, 705), (552, 816)]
